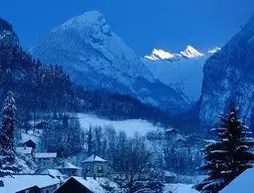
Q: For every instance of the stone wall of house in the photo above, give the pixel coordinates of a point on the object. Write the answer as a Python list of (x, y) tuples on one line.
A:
[(95, 169)]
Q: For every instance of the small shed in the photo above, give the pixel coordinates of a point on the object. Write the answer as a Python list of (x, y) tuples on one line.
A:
[(30, 143), (68, 169), (95, 166), (80, 185)]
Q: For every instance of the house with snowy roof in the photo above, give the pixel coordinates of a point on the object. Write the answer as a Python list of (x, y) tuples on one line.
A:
[(95, 166), (80, 185), (68, 169), (28, 183), (242, 183), (45, 159), (54, 174)]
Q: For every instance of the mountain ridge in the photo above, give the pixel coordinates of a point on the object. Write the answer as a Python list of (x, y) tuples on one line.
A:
[(228, 78), (97, 58)]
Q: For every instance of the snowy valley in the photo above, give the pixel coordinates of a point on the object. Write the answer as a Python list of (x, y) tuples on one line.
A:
[(82, 112)]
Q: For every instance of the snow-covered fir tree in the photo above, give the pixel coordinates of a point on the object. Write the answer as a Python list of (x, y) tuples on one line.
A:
[(229, 156), (7, 149)]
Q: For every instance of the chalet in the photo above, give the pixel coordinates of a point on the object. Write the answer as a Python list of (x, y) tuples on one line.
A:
[(68, 169), (95, 166), (45, 158), (242, 183), (28, 183), (80, 185)]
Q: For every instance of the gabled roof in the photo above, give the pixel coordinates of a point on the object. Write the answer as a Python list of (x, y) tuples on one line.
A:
[(29, 140), (170, 174), (242, 183), (24, 150), (67, 165), (52, 172), (94, 158), (17, 183), (45, 155), (89, 183)]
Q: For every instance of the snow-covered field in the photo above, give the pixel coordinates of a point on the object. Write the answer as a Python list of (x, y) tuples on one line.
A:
[(130, 126), (179, 188)]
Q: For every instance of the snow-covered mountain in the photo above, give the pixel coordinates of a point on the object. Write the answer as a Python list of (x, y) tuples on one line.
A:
[(228, 77), (182, 71), (97, 58), (159, 54)]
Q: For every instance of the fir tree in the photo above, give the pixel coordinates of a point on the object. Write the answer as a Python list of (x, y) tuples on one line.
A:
[(229, 156), (7, 150)]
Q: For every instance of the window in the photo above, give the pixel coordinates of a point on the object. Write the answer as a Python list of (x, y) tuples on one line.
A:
[(100, 169)]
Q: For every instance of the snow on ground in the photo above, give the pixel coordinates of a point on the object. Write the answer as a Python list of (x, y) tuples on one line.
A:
[(179, 188), (130, 126)]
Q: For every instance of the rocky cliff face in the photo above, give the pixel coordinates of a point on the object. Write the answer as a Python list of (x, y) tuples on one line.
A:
[(97, 58), (228, 77), (7, 35)]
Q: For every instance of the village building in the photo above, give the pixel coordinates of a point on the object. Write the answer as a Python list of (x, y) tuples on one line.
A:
[(169, 177), (28, 184), (95, 166), (242, 183), (68, 169), (45, 159), (80, 185), (54, 174)]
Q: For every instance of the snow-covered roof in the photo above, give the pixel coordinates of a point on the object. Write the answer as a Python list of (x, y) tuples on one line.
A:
[(67, 165), (94, 158), (26, 137), (169, 174), (171, 130), (52, 172), (16, 183), (242, 183), (90, 183), (45, 155), (24, 150)]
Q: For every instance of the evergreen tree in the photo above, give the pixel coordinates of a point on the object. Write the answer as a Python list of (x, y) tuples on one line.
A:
[(7, 150), (229, 156), (89, 141)]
